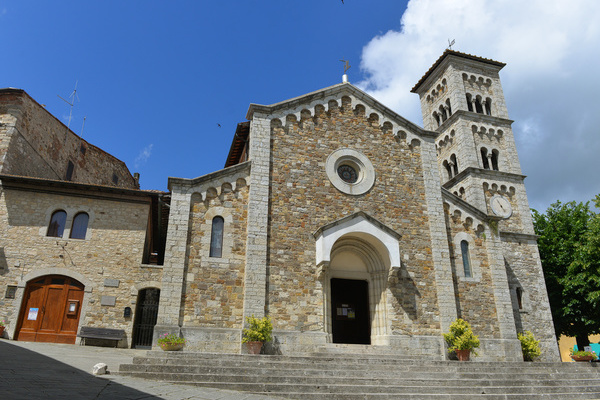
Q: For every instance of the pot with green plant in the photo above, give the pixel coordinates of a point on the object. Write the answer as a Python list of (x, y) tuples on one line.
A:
[(530, 347), (258, 332), (582, 355), (171, 342), (2, 326), (461, 340)]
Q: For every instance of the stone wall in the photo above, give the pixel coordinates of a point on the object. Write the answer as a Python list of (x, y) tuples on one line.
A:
[(107, 262), (302, 199), (34, 143)]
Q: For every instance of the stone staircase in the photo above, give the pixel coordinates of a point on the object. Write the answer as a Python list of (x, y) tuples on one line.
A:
[(370, 375)]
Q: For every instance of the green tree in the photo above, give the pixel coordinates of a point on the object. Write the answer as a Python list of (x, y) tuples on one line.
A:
[(569, 247)]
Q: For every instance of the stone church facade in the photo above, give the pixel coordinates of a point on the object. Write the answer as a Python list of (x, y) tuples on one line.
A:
[(348, 225)]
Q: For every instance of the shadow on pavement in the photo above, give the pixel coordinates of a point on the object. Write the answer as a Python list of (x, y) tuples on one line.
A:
[(28, 375)]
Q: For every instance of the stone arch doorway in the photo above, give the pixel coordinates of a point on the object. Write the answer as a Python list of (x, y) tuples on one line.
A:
[(50, 310), (146, 313), (357, 282)]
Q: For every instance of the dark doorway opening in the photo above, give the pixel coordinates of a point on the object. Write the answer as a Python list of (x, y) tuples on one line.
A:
[(350, 311), (146, 312)]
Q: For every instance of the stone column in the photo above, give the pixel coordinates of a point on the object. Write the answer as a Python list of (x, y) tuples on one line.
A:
[(175, 263), (258, 208), (439, 240)]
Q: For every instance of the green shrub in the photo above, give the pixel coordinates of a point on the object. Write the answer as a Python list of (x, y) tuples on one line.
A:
[(461, 337), (259, 330), (530, 347), (170, 338)]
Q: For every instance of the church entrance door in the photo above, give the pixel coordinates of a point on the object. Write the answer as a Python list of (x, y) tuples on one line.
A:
[(350, 311), (51, 309)]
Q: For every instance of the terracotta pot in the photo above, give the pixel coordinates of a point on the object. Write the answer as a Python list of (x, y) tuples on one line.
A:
[(2, 330), (254, 347), (583, 358), (463, 355), (171, 346)]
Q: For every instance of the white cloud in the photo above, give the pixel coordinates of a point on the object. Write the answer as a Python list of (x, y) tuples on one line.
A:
[(143, 156), (550, 82)]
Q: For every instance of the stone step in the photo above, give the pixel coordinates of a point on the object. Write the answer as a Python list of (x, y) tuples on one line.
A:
[(438, 374), (280, 388), (419, 396)]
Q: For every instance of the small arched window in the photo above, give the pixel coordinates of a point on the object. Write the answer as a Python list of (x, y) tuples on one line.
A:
[(466, 259), (448, 169), (495, 154), (484, 158), (449, 107), (478, 106), (454, 164), (488, 106), (520, 297), (80, 225), (443, 113), (437, 118), (56, 227), (469, 102), (216, 237)]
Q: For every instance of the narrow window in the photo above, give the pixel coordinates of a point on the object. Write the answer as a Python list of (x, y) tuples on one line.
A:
[(70, 168), (216, 237), (484, 158), (443, 113), (448, 169), (469, 103), (478, 106), (437, 118), (520, 297), (464, 249), (57, 224), (115, 179), (488, 106), (449, 107), (495, 160), (79, 227), (454, 164)]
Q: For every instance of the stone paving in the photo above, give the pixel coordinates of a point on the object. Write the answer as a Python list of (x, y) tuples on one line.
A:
[(32, 371)]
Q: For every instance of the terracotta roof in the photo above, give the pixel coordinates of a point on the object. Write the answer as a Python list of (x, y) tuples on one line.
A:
[(448, 53)]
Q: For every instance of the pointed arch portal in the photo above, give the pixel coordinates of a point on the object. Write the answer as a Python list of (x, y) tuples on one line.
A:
[(354, 258)]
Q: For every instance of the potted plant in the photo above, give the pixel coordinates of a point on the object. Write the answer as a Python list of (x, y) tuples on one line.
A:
[(2, 326), (529, 346), (258, 332), (461, 340), (171, 342), (582, 355)]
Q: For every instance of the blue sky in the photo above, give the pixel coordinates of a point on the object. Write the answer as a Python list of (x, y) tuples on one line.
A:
[(155, 79)]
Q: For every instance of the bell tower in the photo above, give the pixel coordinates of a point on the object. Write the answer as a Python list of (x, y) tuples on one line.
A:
[(462, 99)]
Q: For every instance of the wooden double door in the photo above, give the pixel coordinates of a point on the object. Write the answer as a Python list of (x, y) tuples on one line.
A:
[(51, 310)]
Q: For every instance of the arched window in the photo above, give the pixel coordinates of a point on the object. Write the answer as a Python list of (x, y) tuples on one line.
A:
[(488, 106), (454, 164), (437, 118), (216, 237), (484, 158), (478, 106), (449, 107), (469, 102), (448, 169), (520, 297), (495, 154), (79, 227), (57, 224), (464, 249), (443, 113)]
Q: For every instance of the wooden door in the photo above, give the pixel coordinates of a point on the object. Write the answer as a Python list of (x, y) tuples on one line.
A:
[(51, 310)]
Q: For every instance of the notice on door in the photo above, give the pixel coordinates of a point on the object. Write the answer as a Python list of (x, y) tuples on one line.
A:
[(33, 313)]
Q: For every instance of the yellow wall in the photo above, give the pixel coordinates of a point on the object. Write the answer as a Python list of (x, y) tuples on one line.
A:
[(566, 343)]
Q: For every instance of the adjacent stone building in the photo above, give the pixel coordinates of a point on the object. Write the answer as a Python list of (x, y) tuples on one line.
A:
[(338, 218)]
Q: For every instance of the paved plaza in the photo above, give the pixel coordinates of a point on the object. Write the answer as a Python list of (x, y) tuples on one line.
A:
[(32, 371)]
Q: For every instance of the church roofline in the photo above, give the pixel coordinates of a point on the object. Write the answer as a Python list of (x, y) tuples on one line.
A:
[(211, 176), (334, 91), (493, 174), (457, 201), (451, 53)]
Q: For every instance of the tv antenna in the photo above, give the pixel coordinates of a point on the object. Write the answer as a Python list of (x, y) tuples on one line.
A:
[(71, 103), (451, 43)]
